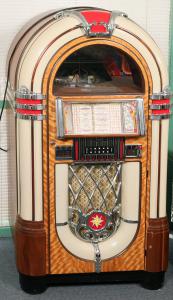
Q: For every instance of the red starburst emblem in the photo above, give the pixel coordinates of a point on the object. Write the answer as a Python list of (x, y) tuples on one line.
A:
[(97, 221)]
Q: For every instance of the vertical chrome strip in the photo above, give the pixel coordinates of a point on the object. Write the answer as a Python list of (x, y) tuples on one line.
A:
[(59, 118), (97, 257), (140, 115)]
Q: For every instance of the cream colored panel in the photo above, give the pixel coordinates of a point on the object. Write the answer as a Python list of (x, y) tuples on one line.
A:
[(163, 167), (61, 185), (53, 49), (154, 169), (18, 165), (25, 171), (40, 42), (30, 47), (130, 191), (21, 44), (26, 33), (38, 184), (146, 38), (109, 248), (119, 241)]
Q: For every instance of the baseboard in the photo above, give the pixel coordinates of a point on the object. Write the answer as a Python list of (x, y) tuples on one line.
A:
[(5, 232)]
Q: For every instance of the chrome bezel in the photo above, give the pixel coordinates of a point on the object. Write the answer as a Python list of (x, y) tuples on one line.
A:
[(159, 117), (30, 117), (30, 106)]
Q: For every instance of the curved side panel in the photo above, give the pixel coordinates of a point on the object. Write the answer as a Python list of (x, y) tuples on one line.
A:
[(24, 169), (140, 47), (163, 167), (40, 42), (154, 169), (124, 235), (19, 44), (135, 29), (38, 182), (27, 33)]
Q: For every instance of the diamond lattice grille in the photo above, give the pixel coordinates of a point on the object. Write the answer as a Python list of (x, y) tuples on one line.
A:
[(94, 187)]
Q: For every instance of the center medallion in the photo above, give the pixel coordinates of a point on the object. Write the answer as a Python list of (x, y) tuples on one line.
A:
[(97, 221)]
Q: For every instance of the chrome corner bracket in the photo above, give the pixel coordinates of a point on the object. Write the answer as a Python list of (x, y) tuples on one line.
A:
[(87, 27), (109, 27)]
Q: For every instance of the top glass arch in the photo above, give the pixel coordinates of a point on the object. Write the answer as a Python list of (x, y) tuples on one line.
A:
[(98, 70)]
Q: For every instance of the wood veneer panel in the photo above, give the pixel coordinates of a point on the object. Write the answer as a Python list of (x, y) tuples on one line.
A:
[(59, 260)]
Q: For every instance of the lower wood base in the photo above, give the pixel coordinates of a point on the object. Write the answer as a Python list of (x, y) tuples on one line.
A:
[(30, 244), (157, 246), (37, 285)]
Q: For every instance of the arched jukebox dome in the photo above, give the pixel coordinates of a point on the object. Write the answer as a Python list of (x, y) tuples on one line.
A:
[(82, 56), (39, 41)]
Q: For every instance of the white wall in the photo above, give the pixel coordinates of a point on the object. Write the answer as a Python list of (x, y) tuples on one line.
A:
[(153, 15)]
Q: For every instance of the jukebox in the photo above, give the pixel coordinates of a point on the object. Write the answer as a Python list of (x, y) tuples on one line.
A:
[(92, 111)]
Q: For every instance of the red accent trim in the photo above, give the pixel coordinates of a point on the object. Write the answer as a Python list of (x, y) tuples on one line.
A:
[(161, 112), (164, 101), (121, 148), (97, 16), (28, 101), (28, 112), (76, 150)]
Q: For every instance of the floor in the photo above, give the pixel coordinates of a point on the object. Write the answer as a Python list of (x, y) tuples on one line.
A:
[(10, 289)]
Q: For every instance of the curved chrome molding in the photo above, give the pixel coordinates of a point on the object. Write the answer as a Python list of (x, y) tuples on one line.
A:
[(31, 96), (25, 93), (160, 117), (160, 106), (30, 107), (62, 224), (165, 94), (30, 117), (129, 221)]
